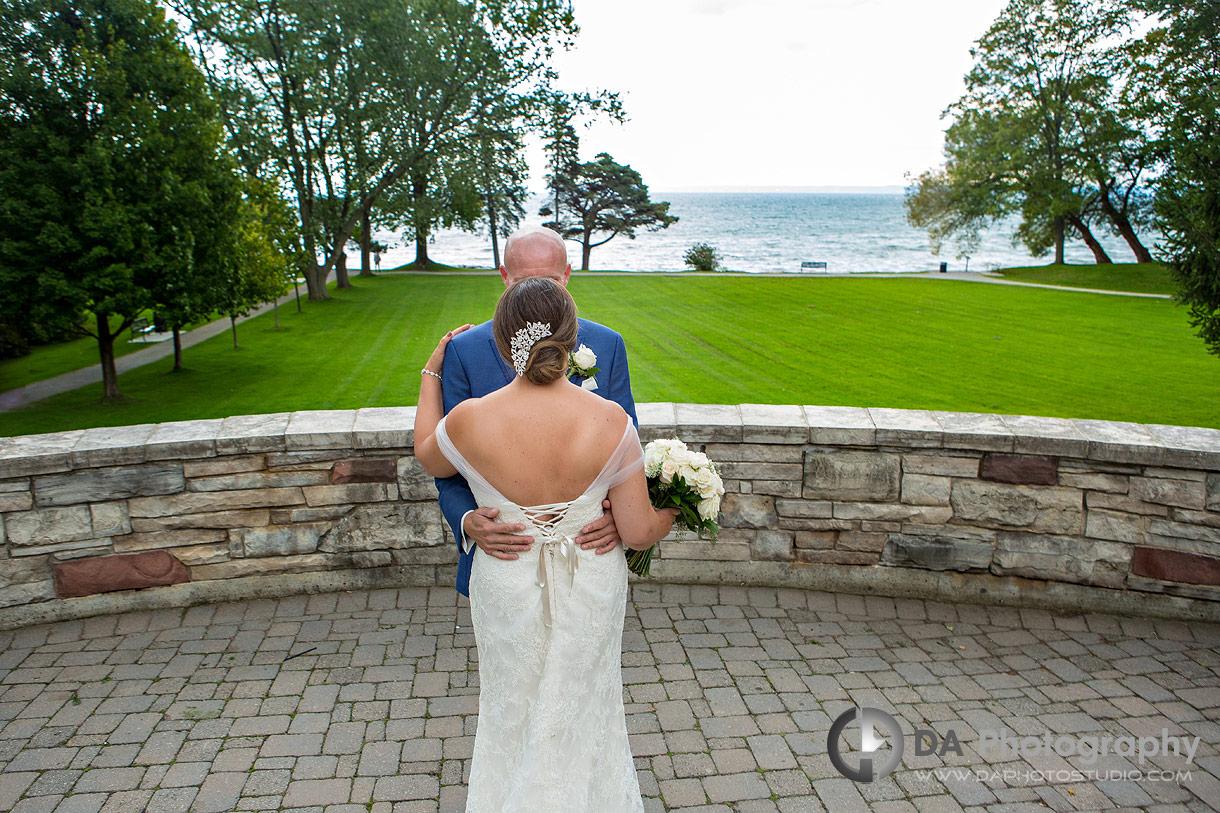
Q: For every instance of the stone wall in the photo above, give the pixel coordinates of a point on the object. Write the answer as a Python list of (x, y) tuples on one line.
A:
[(1014, 509)]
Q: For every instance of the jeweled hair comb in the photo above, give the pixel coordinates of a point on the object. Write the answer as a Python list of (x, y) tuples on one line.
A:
[(524, 339)]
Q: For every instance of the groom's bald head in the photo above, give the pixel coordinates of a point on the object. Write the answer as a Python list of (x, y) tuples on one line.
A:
[(534, 251)]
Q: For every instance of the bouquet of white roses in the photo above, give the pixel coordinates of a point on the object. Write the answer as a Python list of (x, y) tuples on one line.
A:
[(682, 479)]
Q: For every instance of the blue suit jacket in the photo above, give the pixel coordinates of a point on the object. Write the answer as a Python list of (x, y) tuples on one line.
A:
[(473, 368)]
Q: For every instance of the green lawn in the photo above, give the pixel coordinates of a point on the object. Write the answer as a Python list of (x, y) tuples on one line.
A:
[(1144, 278), (913, 343)]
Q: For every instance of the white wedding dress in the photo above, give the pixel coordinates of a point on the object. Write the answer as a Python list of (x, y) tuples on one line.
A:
[(548, 627)]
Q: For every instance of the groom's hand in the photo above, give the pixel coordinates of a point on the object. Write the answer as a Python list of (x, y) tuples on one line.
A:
[(600, 533), (495, 539)]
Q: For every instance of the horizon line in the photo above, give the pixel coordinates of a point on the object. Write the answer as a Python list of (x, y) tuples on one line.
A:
[(862, 189)]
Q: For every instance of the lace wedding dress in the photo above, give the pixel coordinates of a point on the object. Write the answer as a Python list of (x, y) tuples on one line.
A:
[(548, 626)]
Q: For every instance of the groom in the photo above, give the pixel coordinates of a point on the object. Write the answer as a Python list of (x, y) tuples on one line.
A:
[(473, 368)]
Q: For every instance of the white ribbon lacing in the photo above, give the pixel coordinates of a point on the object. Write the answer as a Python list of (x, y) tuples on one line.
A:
[(546, 518)]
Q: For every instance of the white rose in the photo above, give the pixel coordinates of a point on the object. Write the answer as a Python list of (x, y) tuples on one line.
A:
[(584, 357), (668, 469), (680, 456), (687, 474), (703, 480), (699, 460), (709, 508), (668, 445)]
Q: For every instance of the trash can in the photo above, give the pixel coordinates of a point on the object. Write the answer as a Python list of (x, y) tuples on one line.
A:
[(944, 268)]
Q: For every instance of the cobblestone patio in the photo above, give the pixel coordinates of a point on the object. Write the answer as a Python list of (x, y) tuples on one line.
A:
[(364, 701)]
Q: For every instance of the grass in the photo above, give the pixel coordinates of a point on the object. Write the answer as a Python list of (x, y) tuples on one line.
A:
[(913, 343), (1143, 278)]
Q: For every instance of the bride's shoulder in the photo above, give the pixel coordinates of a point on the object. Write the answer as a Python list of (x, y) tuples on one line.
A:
[(461, 415), (608, 414)]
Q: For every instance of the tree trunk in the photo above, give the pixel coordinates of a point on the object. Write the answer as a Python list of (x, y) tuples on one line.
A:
[(315, 282), (491, 220), (1120, 220), (105, 343), (1099, 253), (177, 350), (341, 280), (233, 325), (366, 242), (585, 251), (419, 189), (1057, 228), (421, 253)]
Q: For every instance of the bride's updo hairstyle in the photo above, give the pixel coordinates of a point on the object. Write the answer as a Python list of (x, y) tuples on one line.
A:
[(538, 299)]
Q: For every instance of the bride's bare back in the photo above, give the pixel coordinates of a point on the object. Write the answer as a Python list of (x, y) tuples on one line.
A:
[(522, 439)]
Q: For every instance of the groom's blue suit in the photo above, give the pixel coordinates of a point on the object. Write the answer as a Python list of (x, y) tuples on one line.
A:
[(473, 368)]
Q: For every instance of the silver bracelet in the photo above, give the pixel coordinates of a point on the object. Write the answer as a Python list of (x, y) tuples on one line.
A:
[(426, 371)]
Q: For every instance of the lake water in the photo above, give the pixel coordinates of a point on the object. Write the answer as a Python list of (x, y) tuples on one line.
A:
[(770, 232)]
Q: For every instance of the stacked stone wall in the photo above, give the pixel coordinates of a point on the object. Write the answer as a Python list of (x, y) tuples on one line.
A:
[(1038, 511)]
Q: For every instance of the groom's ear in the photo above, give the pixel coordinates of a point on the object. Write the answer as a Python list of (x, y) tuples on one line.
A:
[(504, 275), (567, 272)]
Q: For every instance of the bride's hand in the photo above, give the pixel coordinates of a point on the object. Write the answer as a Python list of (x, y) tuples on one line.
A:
[(437, 360)]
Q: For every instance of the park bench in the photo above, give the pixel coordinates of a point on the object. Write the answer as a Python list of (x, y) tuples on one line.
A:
[(140, 328), (813, 266)]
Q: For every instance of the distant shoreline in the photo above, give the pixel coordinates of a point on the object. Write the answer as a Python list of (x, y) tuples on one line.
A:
[(780, 190)]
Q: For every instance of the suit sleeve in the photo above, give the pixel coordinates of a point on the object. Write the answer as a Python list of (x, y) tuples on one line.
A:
[(455, 496), (620, 380)]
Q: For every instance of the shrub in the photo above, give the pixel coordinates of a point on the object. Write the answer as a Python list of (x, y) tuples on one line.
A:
[(703, 257)]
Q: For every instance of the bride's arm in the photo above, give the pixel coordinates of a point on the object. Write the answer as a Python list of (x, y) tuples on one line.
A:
[(430, 410), (639, 524)]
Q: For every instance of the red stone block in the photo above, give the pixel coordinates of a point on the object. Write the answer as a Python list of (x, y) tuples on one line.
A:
[(1023, 469), (103, 574), (364, 470), (1175, 566)]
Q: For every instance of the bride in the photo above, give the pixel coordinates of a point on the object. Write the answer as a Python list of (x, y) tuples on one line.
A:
[(552, 735)]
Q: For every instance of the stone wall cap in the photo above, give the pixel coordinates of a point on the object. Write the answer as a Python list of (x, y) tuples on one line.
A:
[(112, 445), (370, 427), (320, 429), (384, 427), (195, 438)]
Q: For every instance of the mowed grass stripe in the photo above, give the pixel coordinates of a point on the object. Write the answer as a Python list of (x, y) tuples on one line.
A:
[(908, 343)]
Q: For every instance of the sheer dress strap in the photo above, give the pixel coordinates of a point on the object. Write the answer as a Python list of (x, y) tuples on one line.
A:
[(460, 463), (624, 462)]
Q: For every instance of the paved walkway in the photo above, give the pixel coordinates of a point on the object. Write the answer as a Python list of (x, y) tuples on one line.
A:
[(975, 276), (367, 701)]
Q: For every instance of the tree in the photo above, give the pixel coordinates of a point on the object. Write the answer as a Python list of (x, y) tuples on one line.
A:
[(559, 113), (606, 198), (254, 271), (346, 102), (108, 148), (1183, 76), (1041, 72), (501, 169)]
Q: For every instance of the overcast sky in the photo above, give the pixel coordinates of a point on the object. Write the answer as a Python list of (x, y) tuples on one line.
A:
[(760, 93)]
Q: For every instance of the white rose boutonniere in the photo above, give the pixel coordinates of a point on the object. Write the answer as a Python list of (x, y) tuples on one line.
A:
[(583, 362)]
